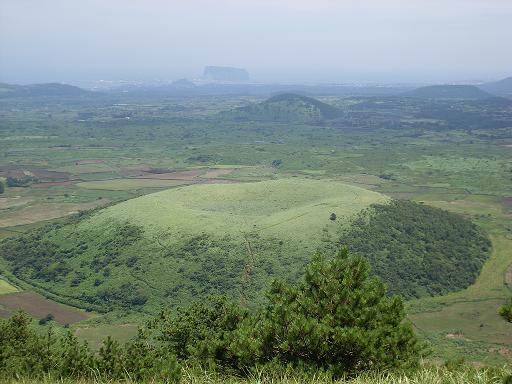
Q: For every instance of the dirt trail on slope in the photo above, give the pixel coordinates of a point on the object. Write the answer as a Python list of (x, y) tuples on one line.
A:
[(508, 277)]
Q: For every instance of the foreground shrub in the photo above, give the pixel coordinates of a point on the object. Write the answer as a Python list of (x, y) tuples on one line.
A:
[(339, 319), (201, 333), (26, 353)]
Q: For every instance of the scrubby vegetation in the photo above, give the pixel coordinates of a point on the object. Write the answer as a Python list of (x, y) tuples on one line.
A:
[(506, 311), (418, 249), (338, 321), (27, 353)]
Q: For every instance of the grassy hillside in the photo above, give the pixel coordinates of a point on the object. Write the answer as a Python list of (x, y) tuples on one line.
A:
[(174, 245), (213, 239), (286, 107)]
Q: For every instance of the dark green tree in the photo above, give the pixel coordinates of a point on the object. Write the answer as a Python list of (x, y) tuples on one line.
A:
[(75, 359), (109, 362), (339, 319), (201, 333), (22, 351), (144, 359)]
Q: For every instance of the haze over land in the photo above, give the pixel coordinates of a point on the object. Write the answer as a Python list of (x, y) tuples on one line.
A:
[(283, 41)]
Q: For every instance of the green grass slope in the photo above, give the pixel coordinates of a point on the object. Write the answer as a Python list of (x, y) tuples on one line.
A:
[(286, 107), (176, 245), (287, 208), (171, 247)]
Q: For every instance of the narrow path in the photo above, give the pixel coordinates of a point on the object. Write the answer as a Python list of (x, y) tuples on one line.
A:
[(508, 277)]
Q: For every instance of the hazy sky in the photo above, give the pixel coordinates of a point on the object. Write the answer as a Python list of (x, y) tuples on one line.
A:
[(280, 40)]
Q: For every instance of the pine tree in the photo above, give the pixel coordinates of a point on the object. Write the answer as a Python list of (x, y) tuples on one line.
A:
[(110, 359), (338, 319)]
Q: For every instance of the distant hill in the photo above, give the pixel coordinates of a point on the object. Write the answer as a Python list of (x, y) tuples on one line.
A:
[(468, 92), (41, 90), (225, 73), (499, 88), (287, 107)]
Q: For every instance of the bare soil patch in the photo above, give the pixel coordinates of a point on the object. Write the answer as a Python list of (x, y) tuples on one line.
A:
[(41, 174), (507, 200), (134, 183), (34, 213), (38, 306), (508, 276)]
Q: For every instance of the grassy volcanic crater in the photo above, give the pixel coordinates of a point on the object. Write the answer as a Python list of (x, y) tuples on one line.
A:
[(173, 246)]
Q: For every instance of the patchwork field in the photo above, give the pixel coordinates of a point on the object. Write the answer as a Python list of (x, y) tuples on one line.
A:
[(282, 182)]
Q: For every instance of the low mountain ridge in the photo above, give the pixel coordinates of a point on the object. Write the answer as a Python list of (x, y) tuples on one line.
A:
[(469, 92), (500, 88), (41, 90)]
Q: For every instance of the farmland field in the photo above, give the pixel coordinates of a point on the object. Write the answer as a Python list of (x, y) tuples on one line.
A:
[(38, 306)]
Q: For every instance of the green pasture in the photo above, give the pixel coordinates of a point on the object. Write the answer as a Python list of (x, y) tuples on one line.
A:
[(287, 208), (5, 287)]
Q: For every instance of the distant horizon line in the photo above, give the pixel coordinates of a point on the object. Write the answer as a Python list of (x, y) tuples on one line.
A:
[(86, 83)]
